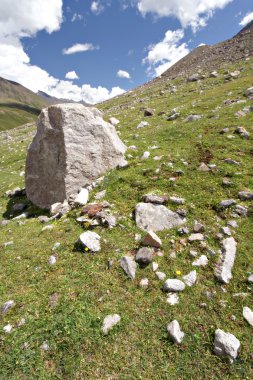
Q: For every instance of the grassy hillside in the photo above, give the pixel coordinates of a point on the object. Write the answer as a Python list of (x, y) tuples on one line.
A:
[(64, 304), (18, 105)]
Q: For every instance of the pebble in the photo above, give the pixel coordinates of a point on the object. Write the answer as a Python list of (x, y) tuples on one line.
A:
[(8, 328), (191, 278), (154, 266), (226, 345), (177, 201), (226, 231), (144, 283), (129, 265), (202, 261), (45, 346), (196, 237), (52, 260), (172, 298), (109, 322), (145, 155), (7, 306), (173, 285), (175, 333), (144, 256), (161, 276), (250, 279), (248, 315), (226, 203)]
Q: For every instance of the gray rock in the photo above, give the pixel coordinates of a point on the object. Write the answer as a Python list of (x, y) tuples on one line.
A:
[(152, 240), (172, 299), (226, 203), (129, 265), (226, 345), (144, 256), (223, 272), (245, 195), (109, 322), (233, 224), (154, 217), (196, 237), (202, 261), (145, 155), (191, 278), (100, 195), (203, 167), (114, 121), (241, 210), (173, 285), (142, 124), (175, 332), (250, 279), (7, 306), (144, 283), (193, 118), (73, 147), (225, 231), (248, 315), (160, 275), (242, 132), (193, 78), (157, 199), (198, 227), (59, 208), (249, 91), (177, 201), (231, 162), (90, 240), (148, 112), (43, 219)]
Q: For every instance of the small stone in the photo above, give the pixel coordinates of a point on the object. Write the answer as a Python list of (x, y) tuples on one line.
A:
[(152, 240), (91, 240), (82, 197), (231, 162), (173, 285), (52, 260), (233, 223), (142, 124), (225, 231), (148, 112), (198, 227), (193, 253), (60, 208), (100, 195), (45, 346), (8, 244), (226, 262), (249, 91), (56, 246), (144, 256), (43, 219), (241, 210), (114, 121), (160, 275), (144, 283), (193, 118), (172, 299), (109, 322), (248, 315), (177, 201), (7, 328), (245, 195), (129, 265), (226, 203), (145, 155), (175, 332), (202, 261), (154, 266), (19, 207), (183, 231), (191, 278), (203, 167), (196, 237), (250, 279), (7, 306), (226, 344), (157, 199)]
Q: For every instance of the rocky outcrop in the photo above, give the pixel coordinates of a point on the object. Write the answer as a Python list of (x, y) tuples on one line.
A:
[(73, 146)]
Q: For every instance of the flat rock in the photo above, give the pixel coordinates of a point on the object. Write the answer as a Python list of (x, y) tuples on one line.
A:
[(157, 199), (114, 121), (144, 283), (109, 322), (226, 203), (60, 208), (245, 195), (177, 200), (248, 315), (152, 240), (73, 147), (226, 345), (154, 217), (172, 299), (142, 124), (175, 333), (196, 237), (202, 261), (144, 256), (91, 240), (129, 265), (223, 271), (191, 278), (82, 197), (173, 285), (160, 275), (7, 306)]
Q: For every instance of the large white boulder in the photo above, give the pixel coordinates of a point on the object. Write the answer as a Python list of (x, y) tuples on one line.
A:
[(73, 147)]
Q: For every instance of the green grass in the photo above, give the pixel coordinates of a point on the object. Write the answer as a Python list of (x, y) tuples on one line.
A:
[(138, 348)]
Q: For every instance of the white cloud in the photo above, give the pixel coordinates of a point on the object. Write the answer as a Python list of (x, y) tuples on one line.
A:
[(96, 7), (76, 16), (166, 53), (19, 18), (77, 48), (194, 13), (123, 74), (71, 75), (246, 19)]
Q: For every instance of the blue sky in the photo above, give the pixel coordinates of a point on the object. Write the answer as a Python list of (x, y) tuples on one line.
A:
[(93, 50)]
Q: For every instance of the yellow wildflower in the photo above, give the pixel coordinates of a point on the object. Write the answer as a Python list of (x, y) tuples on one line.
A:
[(178, 272)]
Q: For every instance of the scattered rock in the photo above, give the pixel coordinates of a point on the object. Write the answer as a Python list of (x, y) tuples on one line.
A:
[(172, 299), (84, 147), (94, 208), (157, 199), (8, 328), (109, 322), (154, 266), (173, 285), (245, 195), (82, 197), (226, 345), (142, 124), (45, 346), (177, 201), (114, 121), (175, 332), (152, 240), (191, 278), (249, 91), (248, 315), (196, 237), (59, 209), (198, 227), (144, 283), (250, 279), (242, 132), (160, 275), (43, 219), (231, 162), (225, 231), (193, 78), (129, 265), (19, 207), (226, 262), (241, 210), (202, 261), (154, 217), (203, 168), (7, 306), (226, 203), (100, 195), (145, 155), (148, 112), (52, 260), (193, 118), (144, 256), (90, 240)]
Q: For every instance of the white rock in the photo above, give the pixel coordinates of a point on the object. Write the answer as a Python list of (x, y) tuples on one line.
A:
[(82, 197), (59, 208), (73, 147), (226, 231), (48, 227), (52, 260), (100, 195), (177, 201), (160, 275), (172, 298), (56, 246), (202, 261), (250, 279), (129, 265), (91, 240), (175, 332), (248, 315), (45, 346), (7, 328), (152, 240), (226, 344), (190, 278), (114, 121), (223, 271), (154, 217), (144, 283), (173, 285), (145, 155), (154, 266), (109, 322), (142, 124), (196, 237), (6, 306)]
